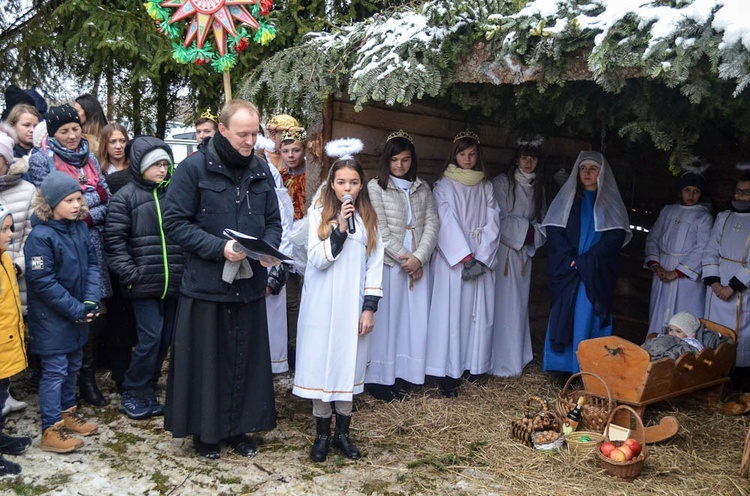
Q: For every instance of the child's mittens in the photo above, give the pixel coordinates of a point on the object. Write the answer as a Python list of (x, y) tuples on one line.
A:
[(472, 269)]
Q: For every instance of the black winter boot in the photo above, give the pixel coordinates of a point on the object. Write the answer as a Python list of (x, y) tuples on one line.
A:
[(449, 386), (87, 387), (319, 451), (341, 438)]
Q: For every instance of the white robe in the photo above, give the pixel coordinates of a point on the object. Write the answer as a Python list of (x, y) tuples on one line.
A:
[(726, 256), (511, 342), (331, 356), (276, 304), (462, 312), (676, 242)]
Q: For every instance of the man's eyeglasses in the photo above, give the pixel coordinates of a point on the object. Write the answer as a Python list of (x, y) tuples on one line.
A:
[(162, 165), (742, 192)]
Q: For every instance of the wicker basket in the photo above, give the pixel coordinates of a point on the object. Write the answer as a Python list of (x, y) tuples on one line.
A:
[(582, 444), (630, 469), (551, 446), (537, 417), (595, 408)]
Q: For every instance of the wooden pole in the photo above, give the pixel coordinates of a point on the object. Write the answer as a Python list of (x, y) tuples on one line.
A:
[(227, 87)]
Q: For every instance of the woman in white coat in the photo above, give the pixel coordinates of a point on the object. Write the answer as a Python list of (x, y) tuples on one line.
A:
[(408, 225), (520, 197)]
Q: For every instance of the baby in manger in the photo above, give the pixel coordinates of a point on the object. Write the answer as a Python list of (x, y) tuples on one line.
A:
[(684, 334)]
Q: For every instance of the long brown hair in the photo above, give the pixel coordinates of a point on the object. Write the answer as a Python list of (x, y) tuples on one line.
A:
[(393, 147), (464, 144), (95, 118), (332, 206), (102, 155)]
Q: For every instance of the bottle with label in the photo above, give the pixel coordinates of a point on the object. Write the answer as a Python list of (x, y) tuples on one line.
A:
[(573, 419)]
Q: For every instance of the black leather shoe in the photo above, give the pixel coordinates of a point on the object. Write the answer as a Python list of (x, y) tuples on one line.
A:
[(206, 450), (381, 392), (243, 445)]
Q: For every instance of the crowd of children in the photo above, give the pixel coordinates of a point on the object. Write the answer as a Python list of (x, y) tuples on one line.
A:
[(385, 264)]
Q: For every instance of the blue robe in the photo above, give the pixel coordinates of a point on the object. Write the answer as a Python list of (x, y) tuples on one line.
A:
[(582, 296)]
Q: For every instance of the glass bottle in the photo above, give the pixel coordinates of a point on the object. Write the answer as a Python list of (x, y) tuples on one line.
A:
[(573, 419)]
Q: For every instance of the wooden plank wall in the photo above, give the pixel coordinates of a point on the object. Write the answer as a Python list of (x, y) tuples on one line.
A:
[(432, 130)]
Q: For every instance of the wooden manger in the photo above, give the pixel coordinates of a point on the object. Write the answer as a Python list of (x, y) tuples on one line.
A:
[(635, 380)]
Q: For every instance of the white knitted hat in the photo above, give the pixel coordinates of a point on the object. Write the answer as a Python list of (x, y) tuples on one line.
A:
[(686, 322)]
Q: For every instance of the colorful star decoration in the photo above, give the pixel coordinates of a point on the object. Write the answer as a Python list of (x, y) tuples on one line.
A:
[(227, 19)]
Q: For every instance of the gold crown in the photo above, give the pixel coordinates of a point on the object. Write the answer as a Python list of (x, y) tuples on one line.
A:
[(294, 134), (208, 115), (467, 134), (281, 122), (399, 134)]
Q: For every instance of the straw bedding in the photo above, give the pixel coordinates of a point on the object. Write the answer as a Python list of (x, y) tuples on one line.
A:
[(469, 437)]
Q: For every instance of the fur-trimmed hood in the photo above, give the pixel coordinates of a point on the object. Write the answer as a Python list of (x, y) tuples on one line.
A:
[(15, 174), (43, 211)]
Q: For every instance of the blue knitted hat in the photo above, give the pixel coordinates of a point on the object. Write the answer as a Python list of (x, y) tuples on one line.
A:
[(56, 186)]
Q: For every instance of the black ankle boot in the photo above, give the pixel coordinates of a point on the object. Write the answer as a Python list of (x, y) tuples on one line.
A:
[(87, 386), (341, 437), (319, 451)]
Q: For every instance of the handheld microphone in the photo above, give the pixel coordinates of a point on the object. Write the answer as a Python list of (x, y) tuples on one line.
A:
[(352, 228)]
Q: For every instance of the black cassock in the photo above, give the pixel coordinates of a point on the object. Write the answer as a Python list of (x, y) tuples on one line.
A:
[(220, 382)]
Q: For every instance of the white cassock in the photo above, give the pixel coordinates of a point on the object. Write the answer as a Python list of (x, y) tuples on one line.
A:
[(399, 340), (276, 304), (676, 242), (726, 257), (462, 312), (331, 356), (511, 343)]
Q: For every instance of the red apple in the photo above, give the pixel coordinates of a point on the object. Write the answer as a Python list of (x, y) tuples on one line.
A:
[(618, 455), (633, 445), (628, 452), (606, 448)]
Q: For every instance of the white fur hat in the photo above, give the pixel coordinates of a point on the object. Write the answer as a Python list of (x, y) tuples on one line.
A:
[(686, 322)]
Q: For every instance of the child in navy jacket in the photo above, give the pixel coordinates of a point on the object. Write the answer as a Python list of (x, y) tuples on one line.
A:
[(62, 278)]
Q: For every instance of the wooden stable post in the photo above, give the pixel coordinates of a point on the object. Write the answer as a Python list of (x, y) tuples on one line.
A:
[(227, 87)]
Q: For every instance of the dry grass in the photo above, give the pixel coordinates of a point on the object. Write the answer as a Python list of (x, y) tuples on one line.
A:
[(469, 437)]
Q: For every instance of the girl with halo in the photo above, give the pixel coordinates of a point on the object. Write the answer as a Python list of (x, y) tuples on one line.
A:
[(520, 197), (586, 226), (463, 293), (408, 225), (339, 298), (674, 249)]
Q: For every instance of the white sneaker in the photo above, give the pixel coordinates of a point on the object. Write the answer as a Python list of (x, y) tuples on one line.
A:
[(13, 405)]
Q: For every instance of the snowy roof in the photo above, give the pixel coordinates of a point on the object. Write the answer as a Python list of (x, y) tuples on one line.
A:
[(400, 55)]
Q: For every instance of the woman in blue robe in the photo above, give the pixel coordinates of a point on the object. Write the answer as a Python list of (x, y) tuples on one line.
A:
[(586, 225)]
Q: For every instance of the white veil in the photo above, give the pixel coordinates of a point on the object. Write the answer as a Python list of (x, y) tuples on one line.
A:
[(609, 209)]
